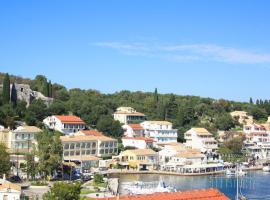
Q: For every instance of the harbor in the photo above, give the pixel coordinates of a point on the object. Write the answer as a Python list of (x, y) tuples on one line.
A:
[(254, 185)]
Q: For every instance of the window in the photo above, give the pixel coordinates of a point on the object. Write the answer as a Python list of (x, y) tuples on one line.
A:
[(77, 145), (93, 152), (83, 152), (83, 145), (101, 151), (106, 151), (72, 153), (66, 153), (88, 145), (94, 145), (77, 153), (88, 152), (66, 146), (72, 146)]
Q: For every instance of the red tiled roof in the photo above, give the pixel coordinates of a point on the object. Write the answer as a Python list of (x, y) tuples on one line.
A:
[(139, 138), (136, 126), (92, 132), (70, 119), (204, 194)]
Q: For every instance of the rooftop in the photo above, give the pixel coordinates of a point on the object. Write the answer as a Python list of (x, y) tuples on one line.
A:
[(203, 194), (78, 138), (70, 119), (159, 122), (141, 151), (201, 131), (139, 138), (92, 132), (9, 185), (135, 126), (27, 129)]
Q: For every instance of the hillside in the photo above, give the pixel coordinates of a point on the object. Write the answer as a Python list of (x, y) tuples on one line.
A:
[(97, 108)]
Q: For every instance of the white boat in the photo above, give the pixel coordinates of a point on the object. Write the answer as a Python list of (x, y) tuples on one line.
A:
[(266, 168), (145, 188), (232, 172)]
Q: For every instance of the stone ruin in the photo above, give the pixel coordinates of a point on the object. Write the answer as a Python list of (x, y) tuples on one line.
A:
[(23, 92)]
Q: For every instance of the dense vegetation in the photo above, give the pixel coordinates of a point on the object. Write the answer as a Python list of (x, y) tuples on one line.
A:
[(97, 108)]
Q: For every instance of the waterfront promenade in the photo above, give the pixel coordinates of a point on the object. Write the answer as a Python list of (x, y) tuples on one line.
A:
[(125, 171)]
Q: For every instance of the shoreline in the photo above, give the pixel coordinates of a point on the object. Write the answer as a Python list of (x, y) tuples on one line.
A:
[(120, 172)]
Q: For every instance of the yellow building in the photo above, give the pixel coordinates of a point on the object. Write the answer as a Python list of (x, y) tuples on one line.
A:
[(140, 159)]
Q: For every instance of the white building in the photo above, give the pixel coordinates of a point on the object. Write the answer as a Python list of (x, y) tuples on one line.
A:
[(9, 191), (128, 115), (200, 138), (170, 150), (160, 131), (133, 130), (256, 133), (67, 124), (138, 142)]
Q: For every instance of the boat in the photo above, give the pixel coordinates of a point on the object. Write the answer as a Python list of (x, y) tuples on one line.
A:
[(137, 188), (232, 172), (266, 168)]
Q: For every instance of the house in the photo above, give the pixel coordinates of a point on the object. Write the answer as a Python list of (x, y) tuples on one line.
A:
[(67, 124), (200, 138), (242, 117), (160, 131), (169, 150), (198, 194), (140, 159), (182, 159), (23, 139), (128, 115), (87, 149), (133, 130), (138, 142), (176, 155), (20, 140), (256, 133), (9, 191)]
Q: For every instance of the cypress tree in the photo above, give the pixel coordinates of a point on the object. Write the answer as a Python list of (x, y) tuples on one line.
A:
[(13, 96), (250, 100), (50, 89), (6, 89)]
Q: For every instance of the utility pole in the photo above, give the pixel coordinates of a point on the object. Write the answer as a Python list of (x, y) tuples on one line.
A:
[(237, 175)]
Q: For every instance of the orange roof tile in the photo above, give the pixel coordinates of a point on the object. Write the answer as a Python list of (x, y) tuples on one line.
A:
[(70, 119), (136, 126), (92, 132), (203, 194)]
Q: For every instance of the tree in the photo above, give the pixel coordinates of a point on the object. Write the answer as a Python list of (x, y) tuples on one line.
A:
[(63, 191), (108, 126), (258, 113), (13, 96), (171, 107), (36, 112), (98, 178), (6, 89), (31, 167), (58, 108), (4, 161), (250, 100), (49, 152), (224, 122)]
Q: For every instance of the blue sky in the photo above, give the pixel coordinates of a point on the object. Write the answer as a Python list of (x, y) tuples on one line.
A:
[(217, 49)]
